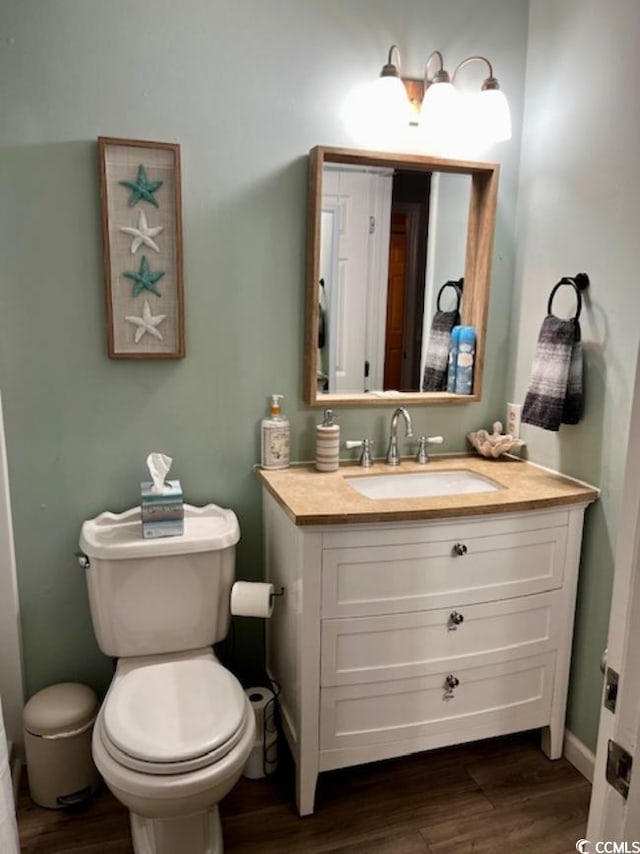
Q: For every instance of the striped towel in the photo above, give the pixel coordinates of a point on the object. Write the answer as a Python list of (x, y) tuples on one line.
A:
[(437, 358), (555, 394)]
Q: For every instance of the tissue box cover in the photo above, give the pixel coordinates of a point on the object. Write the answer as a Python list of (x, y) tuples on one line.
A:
[(166, 528), (162, 513)]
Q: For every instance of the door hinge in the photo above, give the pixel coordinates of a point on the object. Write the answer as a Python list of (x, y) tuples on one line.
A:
[(372, 225), (619, 765), (611, 689)]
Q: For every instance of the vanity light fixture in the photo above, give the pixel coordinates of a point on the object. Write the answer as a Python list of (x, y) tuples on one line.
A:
[(440, 112), (389, 91), (447, 116), (489, 107)]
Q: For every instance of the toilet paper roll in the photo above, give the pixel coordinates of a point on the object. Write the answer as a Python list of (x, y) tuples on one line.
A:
[(252, 599), (263, 704), (263, 759)]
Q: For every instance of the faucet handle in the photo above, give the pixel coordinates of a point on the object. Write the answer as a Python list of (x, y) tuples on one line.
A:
[(366, 458), (422, 456)]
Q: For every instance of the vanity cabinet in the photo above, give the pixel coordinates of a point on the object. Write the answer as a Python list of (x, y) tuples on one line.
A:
[(397, 637)]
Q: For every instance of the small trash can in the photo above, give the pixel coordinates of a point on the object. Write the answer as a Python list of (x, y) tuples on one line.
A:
[(58, 722)]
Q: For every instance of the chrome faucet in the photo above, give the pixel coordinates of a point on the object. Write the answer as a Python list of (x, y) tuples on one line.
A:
[(393, 457)]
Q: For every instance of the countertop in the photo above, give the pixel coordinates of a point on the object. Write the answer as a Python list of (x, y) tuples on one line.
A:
[(310, 497)]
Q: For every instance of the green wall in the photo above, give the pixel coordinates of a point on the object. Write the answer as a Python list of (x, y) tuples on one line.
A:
[(578, 211), (246, 87)]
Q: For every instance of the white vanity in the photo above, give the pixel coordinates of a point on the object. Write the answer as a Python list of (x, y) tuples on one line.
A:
[(409, 624)]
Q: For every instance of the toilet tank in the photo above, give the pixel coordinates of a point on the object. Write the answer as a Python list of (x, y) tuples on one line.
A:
[(152, 596)]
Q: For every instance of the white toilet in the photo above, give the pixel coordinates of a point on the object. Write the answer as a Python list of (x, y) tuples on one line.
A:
[(176, 728)]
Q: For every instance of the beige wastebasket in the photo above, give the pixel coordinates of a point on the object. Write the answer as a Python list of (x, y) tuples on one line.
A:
[(58, 722)]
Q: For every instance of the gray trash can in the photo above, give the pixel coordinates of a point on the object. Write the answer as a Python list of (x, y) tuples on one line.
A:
[(58, 722)]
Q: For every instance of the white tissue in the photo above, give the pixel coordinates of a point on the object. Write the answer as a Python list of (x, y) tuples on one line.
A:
[(159, 465)]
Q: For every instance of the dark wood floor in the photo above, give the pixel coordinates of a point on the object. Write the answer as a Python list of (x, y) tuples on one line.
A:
[(492, 797)]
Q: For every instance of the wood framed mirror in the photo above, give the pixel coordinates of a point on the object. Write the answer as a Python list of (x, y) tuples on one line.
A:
[(389, 237)]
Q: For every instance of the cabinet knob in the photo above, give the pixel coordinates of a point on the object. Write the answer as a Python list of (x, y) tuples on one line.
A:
[(455, 618), (451, 682), (460, 549)]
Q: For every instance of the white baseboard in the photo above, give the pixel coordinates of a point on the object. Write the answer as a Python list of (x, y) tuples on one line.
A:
[(575, 752)]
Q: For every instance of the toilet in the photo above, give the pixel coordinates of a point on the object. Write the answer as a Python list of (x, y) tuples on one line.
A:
[(175, 729)]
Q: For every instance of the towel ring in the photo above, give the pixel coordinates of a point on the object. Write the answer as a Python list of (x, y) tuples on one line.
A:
[(457, 285), (579, 283)]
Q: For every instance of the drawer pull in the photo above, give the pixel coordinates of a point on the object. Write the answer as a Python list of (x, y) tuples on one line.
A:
[(455, 619), (460, 549), (450, 684)]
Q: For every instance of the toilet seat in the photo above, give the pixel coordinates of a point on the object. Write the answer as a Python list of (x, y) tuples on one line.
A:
[(173, 716)]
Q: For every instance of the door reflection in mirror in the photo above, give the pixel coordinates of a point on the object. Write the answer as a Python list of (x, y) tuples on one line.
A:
[(389, 238)]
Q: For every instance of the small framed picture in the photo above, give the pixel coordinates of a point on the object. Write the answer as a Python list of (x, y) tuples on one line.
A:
[(142, 238)]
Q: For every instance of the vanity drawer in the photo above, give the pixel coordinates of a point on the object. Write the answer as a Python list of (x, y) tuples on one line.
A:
[(396, 578), (501, 697), (399, 646)]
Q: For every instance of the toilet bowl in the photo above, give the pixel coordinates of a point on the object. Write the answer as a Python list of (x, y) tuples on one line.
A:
[(175, 729), (171, 740)]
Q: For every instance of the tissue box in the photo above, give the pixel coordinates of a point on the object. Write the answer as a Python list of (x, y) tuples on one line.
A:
[(162, 513)]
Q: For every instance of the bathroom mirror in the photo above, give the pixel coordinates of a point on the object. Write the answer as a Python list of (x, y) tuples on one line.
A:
[(392, 237)]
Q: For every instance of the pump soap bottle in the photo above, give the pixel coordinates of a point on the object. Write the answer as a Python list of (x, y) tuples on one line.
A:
[(328, 443), (275, 437)]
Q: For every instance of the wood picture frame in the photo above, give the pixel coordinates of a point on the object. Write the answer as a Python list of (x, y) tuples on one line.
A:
[(140, 195)]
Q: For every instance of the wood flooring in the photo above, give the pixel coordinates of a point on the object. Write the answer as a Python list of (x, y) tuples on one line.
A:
[(501, 796)]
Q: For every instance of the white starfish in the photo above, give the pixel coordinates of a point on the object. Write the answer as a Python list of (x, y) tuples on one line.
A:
[(147, 323), (143, 234)]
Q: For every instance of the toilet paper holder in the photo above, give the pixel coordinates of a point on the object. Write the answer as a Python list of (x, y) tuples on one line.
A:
[(254, 598), (275, 593)]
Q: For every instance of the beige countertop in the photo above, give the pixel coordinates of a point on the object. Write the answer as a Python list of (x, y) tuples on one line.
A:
[(310, 497)]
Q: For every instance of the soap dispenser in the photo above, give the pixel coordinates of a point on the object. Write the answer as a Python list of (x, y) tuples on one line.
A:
[(328, 443), (275, 437)]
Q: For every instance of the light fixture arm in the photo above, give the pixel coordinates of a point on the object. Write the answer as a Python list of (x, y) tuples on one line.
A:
[(392, 69), (489, 83), (441, 76)]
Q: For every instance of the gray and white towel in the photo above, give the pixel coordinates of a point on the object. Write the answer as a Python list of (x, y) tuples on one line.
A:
[(555, 394), (437, 358)]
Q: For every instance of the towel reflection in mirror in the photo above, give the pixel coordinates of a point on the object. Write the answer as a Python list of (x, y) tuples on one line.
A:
[(439, 345)]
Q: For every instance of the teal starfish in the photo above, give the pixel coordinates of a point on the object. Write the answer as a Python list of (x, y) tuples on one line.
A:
[(141, 188), (144, 279)]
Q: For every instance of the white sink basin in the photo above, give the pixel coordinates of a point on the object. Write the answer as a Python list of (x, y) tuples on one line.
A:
[(421, 484)]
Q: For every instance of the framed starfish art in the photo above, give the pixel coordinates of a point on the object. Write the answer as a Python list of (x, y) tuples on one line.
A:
[(142, 237)]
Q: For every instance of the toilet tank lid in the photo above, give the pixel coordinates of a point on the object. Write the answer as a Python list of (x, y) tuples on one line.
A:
[(118, 536)]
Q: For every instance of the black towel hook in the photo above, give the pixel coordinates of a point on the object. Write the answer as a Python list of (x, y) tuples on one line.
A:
[(579, 282)]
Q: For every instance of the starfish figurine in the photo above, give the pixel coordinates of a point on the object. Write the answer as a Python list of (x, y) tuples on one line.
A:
[(144, 279), (143, 234), (147, 323), (142, 188)]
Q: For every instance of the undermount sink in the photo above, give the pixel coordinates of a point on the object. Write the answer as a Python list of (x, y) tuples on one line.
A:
[(421, 484)]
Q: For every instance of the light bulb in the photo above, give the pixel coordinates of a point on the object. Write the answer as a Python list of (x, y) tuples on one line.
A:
[(494, 113), (440, 116), (378, 114)]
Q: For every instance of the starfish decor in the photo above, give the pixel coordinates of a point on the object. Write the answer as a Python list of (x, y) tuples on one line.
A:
[(144, 279), (142, 188), (143, 234), (147, 323)]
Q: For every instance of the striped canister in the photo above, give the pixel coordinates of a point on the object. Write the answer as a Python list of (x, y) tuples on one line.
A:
[(328, 443)]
